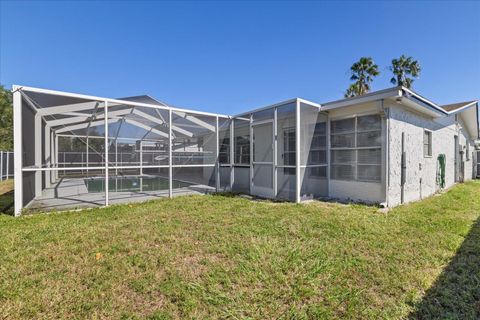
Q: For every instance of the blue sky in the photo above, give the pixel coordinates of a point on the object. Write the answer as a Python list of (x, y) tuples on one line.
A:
[(230, 57)]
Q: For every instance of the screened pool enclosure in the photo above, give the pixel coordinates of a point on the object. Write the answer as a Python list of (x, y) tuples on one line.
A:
[(75, 151)]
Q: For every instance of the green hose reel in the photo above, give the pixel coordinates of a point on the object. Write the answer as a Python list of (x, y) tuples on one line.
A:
[(441, 170)]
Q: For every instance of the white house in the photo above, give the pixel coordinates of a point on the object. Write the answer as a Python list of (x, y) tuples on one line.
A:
[(386, 147), (418, 129)]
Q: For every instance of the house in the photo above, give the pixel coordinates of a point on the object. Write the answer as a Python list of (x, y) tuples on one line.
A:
[(387, 147), (415, 131)]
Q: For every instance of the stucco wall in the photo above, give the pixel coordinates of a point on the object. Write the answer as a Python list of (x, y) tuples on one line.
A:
[(421, 172), (367, 192), (464, 140)]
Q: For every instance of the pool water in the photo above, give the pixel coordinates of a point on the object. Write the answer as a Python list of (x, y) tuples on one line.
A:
[(132, 183)]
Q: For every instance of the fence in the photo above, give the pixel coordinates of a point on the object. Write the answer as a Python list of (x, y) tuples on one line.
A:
[(6, 165)]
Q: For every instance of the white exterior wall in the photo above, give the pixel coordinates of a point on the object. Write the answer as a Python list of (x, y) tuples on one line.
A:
[(421, 172), (368, 192), (464, 140)]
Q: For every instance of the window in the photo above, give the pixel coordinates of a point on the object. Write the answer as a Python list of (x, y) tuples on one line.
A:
[(289, 150), (468, 151), (317, 171), (317, 151), (224, 151), (356, 145), (427, 143), (289, 147), (242, 149)]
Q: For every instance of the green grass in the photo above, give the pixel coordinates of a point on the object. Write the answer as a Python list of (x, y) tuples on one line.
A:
[(228, 257)]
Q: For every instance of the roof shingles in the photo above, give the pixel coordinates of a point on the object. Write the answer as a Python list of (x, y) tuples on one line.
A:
[(456, 106)]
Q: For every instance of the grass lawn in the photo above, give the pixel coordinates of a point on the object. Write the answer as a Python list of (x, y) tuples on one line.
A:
[(228, 257)]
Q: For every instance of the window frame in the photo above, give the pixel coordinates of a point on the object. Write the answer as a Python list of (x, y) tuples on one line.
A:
[(242, 150), (289, 147), (355, 164), (429, 144)]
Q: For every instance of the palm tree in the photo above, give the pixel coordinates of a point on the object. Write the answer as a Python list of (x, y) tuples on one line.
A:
[(352, 91), (402, 68), (363, 71)]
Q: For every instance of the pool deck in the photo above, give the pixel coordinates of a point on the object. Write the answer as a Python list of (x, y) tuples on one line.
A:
[(72, 193)]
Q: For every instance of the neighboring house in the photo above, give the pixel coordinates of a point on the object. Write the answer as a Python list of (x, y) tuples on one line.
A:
[(387, 147)]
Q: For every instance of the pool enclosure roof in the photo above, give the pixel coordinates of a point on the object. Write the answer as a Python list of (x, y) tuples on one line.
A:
[(71, 108), (83, 115)]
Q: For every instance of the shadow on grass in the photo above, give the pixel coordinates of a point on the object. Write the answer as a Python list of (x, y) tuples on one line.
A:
[(6, 202), (456, 292)]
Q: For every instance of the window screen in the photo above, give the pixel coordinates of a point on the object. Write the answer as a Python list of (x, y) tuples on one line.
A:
[(356, 148), (289, 152), (224, 151), (241, 141), (242, 150)]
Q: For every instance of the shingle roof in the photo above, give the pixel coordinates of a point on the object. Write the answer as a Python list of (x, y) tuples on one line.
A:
[(456, 106)]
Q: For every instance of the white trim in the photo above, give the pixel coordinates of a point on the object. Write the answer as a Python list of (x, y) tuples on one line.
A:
[(308, 166), (467, 106), (266, 108), (328, 150), (355, 115), (425, 100), (112, 114), (232, 154), (64, 121), (47, 151), (145, 127), (191, 118), (430, 143), (260, 122), (18, 152), (49, 111), (217, 153), (85, 125), (251, 153), (275, 147), (37, 146), (106, 123), (112, 102), (297, 155), (377, 95), (161, 121), (170, 154)]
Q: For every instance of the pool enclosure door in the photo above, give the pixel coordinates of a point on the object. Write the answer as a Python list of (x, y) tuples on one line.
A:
[(262, 162)]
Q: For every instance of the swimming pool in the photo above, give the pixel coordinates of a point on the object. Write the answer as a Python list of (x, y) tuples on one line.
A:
[(132, 183)]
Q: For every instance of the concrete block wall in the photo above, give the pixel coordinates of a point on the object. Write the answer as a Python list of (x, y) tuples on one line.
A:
[(421, 171)]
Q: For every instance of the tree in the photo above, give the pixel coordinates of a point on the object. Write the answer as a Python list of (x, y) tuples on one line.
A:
[(352, 91), (404, 69), (6, 120), (363, 71)]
